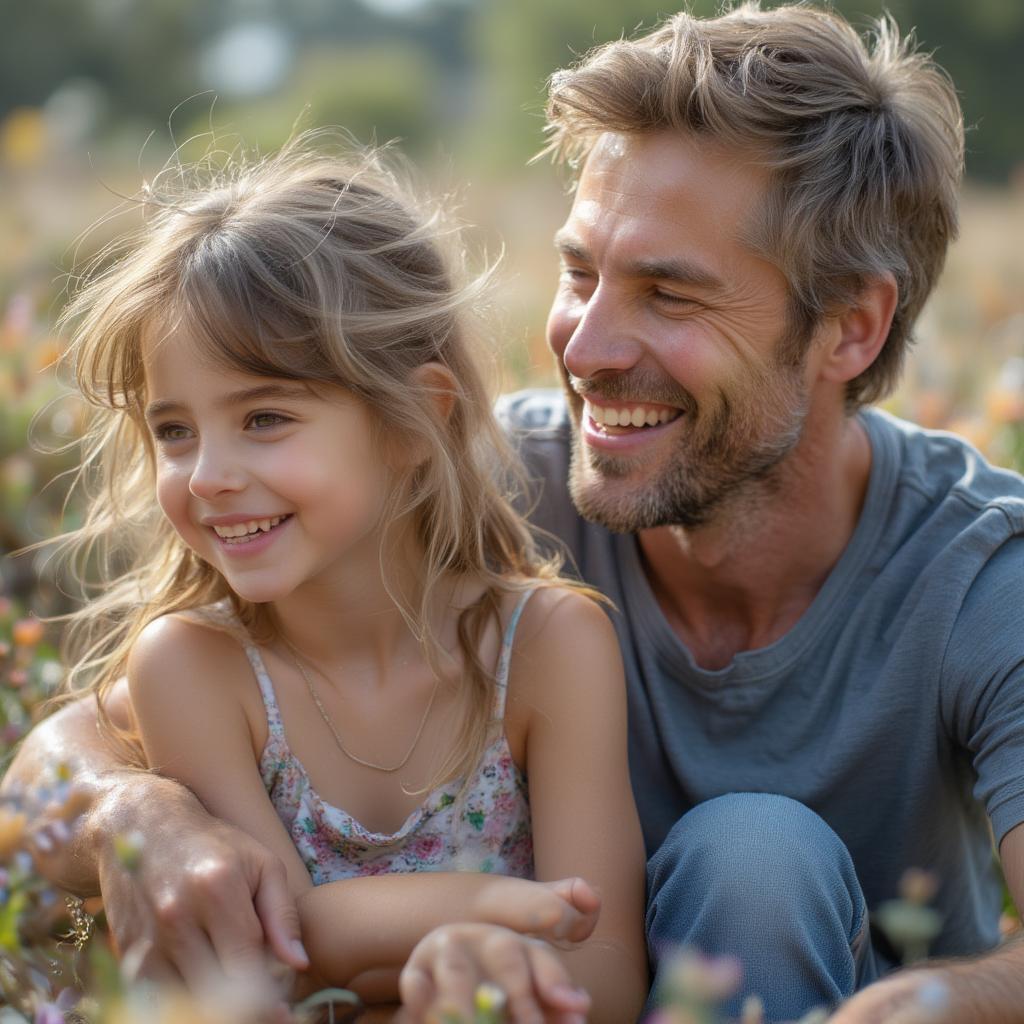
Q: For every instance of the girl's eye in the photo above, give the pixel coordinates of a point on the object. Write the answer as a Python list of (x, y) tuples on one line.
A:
[(169, 432), (265, 420)]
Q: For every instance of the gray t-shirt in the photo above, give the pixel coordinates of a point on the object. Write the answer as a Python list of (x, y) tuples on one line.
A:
[(894, 708)]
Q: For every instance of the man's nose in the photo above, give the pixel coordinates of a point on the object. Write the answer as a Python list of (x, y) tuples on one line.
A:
[(603, 338), (216, 471)]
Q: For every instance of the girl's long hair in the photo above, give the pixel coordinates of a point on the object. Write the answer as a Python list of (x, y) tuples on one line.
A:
[(309, 267)]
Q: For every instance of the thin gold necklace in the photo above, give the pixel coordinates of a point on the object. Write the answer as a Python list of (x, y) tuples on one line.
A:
[(334, 732)]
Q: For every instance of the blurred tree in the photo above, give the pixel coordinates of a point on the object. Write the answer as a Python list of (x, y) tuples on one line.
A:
[(484, 60), (140, 52), (518, 45), (979, 43), (382, 92)]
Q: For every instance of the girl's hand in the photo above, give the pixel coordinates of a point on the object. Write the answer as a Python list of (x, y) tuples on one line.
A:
[(441, 978), (562, 911)]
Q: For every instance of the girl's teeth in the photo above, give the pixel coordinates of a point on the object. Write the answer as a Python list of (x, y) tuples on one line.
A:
[(245, 529)]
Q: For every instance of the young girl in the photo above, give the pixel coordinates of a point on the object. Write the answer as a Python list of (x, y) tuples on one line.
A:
[(336, 631)]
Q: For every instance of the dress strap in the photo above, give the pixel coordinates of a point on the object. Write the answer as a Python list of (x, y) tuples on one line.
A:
[(274, 723), (505, 658)]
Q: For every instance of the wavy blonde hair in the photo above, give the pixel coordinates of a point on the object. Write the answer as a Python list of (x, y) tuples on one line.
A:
[(864, 142), (314, 267)]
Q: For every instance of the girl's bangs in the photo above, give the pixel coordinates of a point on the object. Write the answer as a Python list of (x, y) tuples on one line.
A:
[(241, 327)]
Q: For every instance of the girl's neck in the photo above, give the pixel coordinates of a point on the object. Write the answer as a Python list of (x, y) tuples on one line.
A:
[(364, 617)]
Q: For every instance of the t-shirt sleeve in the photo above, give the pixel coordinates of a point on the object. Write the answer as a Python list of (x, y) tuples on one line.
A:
[(983, 684), (536, 422)]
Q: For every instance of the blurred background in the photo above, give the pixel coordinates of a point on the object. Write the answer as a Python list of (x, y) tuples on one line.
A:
[(95, 93)]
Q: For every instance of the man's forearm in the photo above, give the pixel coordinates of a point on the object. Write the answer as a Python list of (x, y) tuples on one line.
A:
[(988, 989), (118, 795)]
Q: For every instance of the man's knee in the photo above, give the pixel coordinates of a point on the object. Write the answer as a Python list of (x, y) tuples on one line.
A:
[(763, 857), (764, 878)]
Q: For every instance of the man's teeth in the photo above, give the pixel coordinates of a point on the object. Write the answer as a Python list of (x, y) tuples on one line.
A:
[(637, 416), (252, 526)]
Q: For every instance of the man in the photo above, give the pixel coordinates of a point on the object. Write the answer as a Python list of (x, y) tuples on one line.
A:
[(818, 604)]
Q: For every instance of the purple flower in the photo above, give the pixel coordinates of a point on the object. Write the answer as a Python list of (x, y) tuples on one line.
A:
[(48, 1013)]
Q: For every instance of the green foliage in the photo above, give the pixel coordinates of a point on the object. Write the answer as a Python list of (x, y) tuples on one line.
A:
[(449, 69), (382, 92)]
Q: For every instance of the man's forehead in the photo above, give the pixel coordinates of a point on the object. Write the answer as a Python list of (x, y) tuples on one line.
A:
[(665, 186)]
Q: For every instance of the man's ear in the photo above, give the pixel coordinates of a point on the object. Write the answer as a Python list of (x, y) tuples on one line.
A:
[(439, 385), (860, 330)]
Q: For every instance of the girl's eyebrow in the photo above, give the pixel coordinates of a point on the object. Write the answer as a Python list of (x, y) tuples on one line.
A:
[(259, 393)]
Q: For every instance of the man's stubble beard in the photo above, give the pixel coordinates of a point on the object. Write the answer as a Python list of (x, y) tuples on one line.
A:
[(726, 453)]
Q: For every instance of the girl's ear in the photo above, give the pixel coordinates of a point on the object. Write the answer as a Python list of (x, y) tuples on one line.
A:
[(439, 389), (438, 382)]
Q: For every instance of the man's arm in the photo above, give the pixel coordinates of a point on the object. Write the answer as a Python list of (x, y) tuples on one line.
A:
[(982, 693), (202, 891), (988, 989)]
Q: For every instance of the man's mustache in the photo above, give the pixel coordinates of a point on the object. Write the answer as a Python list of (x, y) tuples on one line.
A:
[(637, 385)]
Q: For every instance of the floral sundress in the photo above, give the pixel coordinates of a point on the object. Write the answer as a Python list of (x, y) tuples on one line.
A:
[(486, 828)]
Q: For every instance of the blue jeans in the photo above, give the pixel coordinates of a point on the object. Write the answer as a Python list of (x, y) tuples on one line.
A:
[(764, 878)]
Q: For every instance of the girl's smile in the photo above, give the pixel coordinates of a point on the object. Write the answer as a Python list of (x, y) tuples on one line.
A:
[(249, 536)]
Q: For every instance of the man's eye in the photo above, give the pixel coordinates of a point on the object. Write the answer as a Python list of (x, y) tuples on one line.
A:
[(167, 432), (672, 300)]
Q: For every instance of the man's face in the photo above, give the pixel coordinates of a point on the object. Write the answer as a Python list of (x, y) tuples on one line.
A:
[(668, 330)]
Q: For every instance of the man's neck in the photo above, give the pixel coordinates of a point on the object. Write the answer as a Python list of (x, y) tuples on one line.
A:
[(743, 580)]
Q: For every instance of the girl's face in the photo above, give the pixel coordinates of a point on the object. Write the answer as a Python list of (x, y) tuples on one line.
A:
[(271, 485)]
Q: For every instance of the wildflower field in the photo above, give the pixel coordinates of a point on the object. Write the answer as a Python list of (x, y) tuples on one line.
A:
[(966, 374)]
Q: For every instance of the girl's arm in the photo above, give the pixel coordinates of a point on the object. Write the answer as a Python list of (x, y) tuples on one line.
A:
[(567, 671), (567, 685), (189, 686)]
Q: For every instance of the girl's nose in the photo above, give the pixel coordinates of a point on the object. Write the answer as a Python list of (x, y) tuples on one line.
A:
[(215, 472)]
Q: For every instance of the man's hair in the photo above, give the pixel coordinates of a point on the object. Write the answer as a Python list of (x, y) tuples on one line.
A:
[(863, 141)]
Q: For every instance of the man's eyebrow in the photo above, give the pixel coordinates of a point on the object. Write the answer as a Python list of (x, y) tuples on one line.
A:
[(567, 245), (258, 393), (680, 271)]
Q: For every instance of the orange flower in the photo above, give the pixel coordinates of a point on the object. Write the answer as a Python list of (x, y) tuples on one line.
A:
[(1004, 405), (45, 355), (27, 632), (12, 831), (931, 409)]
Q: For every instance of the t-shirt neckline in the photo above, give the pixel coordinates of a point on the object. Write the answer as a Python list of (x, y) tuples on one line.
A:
[(748, 667)]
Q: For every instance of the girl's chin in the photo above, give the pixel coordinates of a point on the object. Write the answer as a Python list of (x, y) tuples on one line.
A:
[(257, 594)]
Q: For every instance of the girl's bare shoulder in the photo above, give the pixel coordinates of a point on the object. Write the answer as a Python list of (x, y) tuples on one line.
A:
[(191, 647), (565, 635)]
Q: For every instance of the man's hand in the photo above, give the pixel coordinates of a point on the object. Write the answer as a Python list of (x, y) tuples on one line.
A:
[(446, 968), (203, 898), (913, 997), (203, 895)]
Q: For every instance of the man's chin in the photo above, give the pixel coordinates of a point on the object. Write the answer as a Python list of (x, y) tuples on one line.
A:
[(613, 504), (624, 504)]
